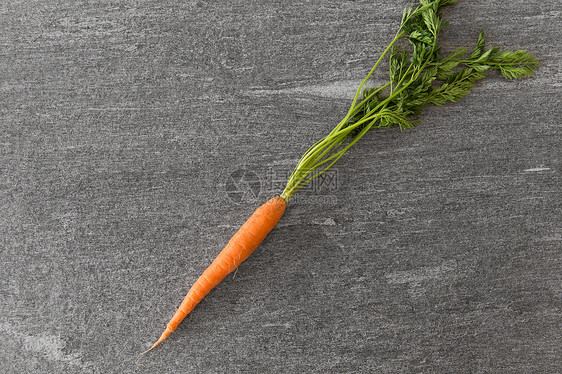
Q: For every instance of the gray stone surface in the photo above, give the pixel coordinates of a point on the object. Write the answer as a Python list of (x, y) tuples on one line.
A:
[(121, 123)]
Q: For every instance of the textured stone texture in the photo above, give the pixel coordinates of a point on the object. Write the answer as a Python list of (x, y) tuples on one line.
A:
[(121, 123)]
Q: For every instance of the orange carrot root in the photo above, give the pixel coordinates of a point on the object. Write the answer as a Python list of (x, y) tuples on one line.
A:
[(240, 246)]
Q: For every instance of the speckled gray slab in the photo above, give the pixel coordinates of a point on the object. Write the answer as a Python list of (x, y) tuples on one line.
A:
[(136, 136)]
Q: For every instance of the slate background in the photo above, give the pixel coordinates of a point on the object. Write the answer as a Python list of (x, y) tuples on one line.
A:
[(121, 123)]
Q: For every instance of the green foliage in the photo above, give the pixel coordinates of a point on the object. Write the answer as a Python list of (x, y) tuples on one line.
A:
[(480, 46), (456, 86), (418, 76), (446, 65)]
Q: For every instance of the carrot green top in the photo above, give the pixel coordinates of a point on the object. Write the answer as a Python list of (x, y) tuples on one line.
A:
[(417, 77)]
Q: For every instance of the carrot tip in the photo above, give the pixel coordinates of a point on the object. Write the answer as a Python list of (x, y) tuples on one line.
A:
[(149, 349), (164, 335), (153, 346)]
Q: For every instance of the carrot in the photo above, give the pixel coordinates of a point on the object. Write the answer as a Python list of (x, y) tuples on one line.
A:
[(240, 246), (418, 77)]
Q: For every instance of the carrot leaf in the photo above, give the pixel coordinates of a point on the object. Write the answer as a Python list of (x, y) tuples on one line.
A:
[(418, 76)]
